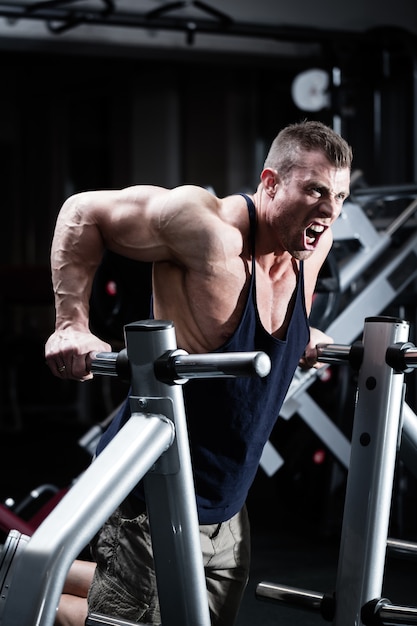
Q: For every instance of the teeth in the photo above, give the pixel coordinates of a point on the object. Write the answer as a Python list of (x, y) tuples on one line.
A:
[(312, 231)]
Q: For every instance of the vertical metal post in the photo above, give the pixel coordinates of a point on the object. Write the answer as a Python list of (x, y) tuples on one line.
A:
[(169, 486), (375, 442)]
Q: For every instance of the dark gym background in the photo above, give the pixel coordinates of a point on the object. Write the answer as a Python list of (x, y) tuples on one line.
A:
[(85, 110)]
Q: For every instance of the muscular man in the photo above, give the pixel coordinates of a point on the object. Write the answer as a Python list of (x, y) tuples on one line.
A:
[(233, 274)]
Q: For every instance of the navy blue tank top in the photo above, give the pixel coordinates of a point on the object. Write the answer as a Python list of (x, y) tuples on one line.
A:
[(230, 420)]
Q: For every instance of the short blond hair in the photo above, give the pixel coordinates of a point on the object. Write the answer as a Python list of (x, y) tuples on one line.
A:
[(291, 141)]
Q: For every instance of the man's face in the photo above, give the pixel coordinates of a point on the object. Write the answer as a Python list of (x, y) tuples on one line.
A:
[(307, 203)]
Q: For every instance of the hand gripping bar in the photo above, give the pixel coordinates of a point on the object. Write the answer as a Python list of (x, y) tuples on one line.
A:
[(176, 366)]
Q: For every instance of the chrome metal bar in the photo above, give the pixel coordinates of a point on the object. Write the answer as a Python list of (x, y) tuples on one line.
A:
[(301, 598), (333, 353), (104, 363), (229, 365), (177, 365), (391, 615), (410, 357), (399, 547), (402, 218)]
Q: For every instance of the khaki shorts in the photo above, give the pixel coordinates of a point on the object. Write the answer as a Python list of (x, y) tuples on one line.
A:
[(124, 583)]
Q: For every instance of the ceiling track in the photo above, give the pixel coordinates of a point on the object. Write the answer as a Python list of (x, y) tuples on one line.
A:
[(60, 19)]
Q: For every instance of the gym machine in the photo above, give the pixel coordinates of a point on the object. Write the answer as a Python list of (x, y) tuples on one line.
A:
[(382, 359), (152, 445)]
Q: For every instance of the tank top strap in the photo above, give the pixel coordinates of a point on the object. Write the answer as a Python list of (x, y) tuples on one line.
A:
[(252, 223)]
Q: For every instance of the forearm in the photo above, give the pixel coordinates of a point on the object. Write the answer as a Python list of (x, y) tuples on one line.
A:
[(76, 251)]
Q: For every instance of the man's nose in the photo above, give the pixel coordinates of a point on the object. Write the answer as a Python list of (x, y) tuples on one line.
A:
[(330, 208)]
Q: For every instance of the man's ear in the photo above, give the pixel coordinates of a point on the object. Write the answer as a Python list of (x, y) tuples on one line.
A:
[(270, 179)]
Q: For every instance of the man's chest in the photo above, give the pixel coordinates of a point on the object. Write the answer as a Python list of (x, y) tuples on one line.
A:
[(275, 296)]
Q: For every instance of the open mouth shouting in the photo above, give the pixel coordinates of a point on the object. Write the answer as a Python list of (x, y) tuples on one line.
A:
[(312, 235)]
